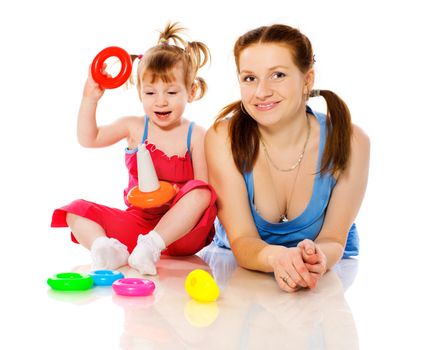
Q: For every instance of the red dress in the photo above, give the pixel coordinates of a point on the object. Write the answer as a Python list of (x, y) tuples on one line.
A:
[(126, 225)]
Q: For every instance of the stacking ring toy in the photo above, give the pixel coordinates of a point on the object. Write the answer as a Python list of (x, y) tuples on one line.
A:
[(105, 277), (97, 67), (201, 286), (152, 199), (70, 281), (150, 192), (133, 287)]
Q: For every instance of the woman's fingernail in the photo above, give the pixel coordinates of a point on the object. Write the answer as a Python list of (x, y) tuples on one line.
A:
[(309, 251)]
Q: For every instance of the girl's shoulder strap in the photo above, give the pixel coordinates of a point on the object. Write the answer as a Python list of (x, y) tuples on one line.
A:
[(188, 139), (145, 134)]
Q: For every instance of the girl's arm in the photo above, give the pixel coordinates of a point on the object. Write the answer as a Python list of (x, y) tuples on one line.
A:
[(345, 200), (197, 152), (88, 133)]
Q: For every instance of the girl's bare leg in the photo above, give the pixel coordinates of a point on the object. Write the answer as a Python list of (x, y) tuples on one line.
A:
[(176, 223), (106, 253)]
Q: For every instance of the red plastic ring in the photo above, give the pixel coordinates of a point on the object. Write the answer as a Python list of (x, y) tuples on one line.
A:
[(104, 81)]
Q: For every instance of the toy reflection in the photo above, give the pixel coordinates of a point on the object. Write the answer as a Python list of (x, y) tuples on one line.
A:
[(251, 312)]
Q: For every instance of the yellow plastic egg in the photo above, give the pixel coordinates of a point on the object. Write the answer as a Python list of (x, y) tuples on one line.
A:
[(201, 286)]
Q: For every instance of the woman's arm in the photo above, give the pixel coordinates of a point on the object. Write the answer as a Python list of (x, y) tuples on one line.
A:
[(233, 207), (346, 199), (234, 212)]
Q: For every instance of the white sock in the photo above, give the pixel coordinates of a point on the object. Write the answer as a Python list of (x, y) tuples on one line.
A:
[(147, 253), (108, 253)]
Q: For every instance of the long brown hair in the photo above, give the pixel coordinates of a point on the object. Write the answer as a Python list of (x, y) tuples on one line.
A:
[(171, 50), (245, 150)]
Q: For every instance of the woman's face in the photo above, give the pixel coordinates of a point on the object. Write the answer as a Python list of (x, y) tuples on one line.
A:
[(272, 86)]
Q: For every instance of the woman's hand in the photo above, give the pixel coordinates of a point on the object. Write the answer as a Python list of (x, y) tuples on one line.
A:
[(314, 258), (290, 270), (299, 267)]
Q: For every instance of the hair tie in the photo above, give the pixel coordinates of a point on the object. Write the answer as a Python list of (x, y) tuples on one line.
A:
[(163, 41), (315, 93), (139, 57)]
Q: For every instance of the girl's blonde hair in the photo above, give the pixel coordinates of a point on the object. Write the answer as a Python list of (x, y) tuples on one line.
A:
[(170, 51)]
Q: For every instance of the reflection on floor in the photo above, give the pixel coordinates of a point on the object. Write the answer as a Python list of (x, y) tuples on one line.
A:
[(251, 312)]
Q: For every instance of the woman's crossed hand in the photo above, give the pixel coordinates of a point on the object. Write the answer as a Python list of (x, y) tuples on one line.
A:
[(298, 267)]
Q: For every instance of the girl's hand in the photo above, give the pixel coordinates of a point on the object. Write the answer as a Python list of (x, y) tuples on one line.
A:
[(92, 90), (290, 270)]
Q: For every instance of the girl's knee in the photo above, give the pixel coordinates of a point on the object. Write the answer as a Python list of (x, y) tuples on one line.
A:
[(71, 218), (74, 220)]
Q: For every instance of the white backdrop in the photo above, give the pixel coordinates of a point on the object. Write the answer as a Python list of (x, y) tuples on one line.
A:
[(378, 56)]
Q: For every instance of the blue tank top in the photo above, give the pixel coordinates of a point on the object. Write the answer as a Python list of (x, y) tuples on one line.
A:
[(309, 223)]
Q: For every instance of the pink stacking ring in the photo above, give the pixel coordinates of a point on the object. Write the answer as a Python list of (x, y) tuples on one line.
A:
[(133, 287)]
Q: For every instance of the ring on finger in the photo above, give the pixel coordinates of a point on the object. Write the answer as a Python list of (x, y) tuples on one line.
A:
[(285, 279)]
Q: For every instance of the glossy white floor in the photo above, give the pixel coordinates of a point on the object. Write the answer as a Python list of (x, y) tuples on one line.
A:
[(354, 307), (251, 313)]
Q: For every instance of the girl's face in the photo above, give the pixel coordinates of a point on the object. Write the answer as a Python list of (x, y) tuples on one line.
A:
[(272, 87), (164, 103)]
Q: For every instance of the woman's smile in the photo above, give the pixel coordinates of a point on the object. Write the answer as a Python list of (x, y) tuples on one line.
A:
[(266, 106)]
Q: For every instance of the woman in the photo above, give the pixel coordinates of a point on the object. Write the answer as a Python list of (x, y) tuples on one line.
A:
[(290, 181)]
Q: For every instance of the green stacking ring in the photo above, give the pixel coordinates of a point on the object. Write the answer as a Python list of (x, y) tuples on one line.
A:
[(70, 281)]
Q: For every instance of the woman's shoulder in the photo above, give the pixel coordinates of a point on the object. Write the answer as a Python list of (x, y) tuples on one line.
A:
[(360, 150), (360, 137), (217, 138), (218, 130)]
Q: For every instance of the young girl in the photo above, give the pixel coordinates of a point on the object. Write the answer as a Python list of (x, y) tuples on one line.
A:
[(167, 81)]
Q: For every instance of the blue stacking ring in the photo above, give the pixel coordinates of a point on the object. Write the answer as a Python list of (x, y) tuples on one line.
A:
[(105, 277)]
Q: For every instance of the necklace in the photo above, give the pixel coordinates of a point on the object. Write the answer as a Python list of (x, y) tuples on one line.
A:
[(284, 217), (300, 157)]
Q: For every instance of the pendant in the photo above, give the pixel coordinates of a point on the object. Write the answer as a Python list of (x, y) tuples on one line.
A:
[(283, 218)]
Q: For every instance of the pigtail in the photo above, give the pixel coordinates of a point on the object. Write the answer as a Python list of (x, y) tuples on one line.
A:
[(339, 131), (244, 150), (170, 33), (201, 87), (198, 54), (132, 79)]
